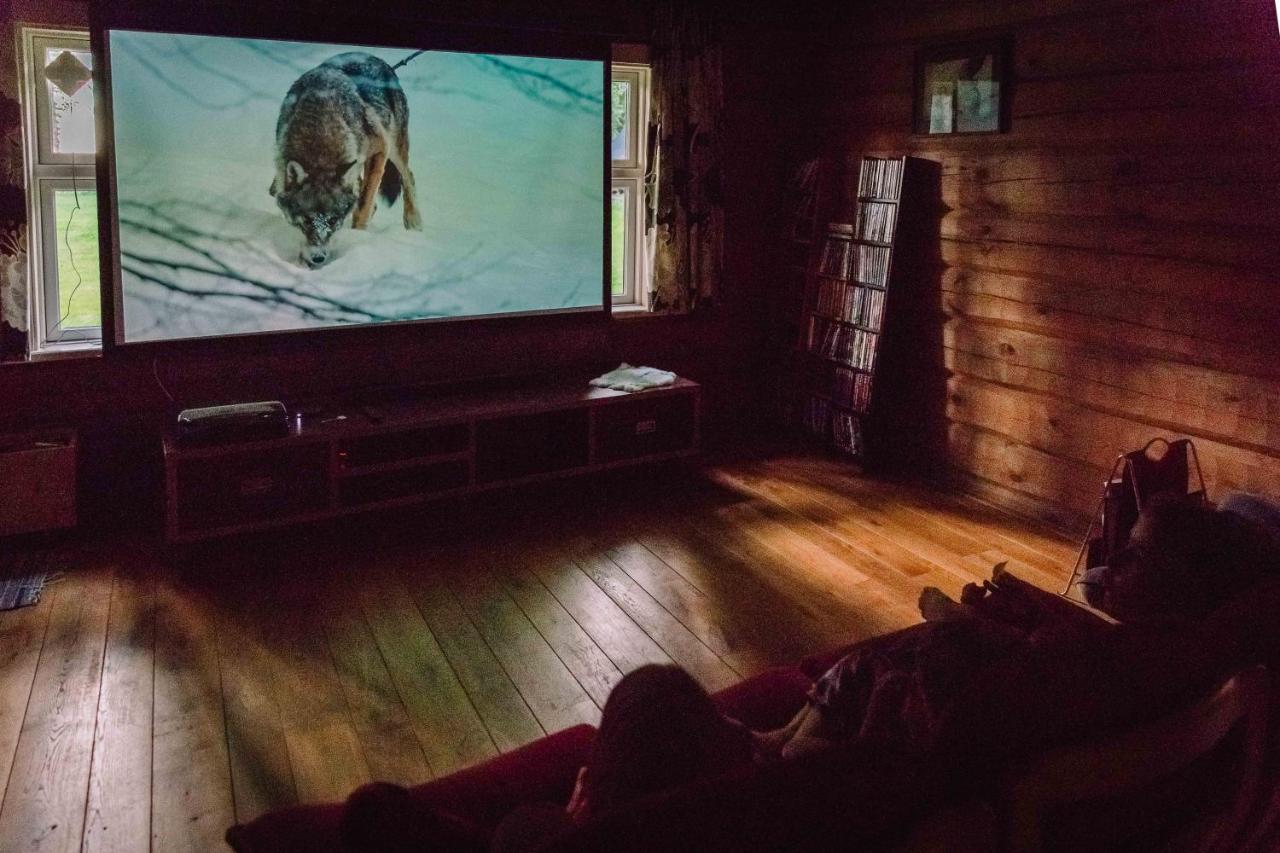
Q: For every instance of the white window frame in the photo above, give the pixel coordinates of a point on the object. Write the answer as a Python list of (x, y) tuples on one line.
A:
[(628, 176), (46, 172)]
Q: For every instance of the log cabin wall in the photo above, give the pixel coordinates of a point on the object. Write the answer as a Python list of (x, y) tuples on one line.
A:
[(1108, 270)]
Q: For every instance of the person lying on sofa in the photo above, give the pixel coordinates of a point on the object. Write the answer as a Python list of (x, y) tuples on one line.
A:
[(1007, 669), (1034, 667), (1185, 560)]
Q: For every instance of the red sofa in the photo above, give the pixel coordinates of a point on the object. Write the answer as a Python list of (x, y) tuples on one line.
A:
[(808, 800)]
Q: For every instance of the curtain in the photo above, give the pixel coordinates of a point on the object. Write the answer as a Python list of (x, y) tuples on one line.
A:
[(13, 232), (684, 193)]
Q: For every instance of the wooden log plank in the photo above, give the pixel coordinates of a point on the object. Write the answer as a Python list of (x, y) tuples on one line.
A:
[(1065, 164), (1174, 201), (1155, 34), (1142, 276), (1203, 242), (44, 805), (1020, 504), (1112, 131), (118, 813), (1219, 423), (1093, 330), (1053, 94), (1170, 317), (1160, 35), (1238, 403), (1066, 428), (888, 27), (1026, 469)]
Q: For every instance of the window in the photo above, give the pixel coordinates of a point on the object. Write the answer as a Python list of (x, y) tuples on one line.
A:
[(61, 194), (64, 299), (629, 90)]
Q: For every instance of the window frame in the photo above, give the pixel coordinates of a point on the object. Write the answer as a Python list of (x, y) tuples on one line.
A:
[(628, 175), (47, 172)]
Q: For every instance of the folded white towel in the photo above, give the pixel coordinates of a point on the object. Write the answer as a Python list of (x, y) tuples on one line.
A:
[(628, 378)]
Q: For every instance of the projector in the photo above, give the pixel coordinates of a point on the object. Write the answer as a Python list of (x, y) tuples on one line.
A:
[(239, 422)]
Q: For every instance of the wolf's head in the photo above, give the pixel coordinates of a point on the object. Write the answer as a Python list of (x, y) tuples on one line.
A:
[(317, 203)]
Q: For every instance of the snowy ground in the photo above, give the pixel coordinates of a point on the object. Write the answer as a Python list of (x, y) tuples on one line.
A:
[(510, 187)]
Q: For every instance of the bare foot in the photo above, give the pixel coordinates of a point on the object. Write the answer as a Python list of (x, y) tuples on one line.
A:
[(973, 594), (935, 606)]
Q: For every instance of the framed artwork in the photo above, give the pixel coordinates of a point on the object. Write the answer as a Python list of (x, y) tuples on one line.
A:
[(963, 88)]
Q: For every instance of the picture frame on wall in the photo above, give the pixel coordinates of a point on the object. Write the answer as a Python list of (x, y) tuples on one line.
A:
[(963, 88)]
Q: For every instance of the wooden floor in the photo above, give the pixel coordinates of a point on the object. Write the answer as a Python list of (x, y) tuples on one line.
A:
[(149, 702)]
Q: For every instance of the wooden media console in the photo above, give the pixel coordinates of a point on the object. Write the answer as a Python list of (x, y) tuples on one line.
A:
[(360, 458)]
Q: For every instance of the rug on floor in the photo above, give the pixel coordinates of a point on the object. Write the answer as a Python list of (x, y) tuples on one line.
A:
[(22, 579)]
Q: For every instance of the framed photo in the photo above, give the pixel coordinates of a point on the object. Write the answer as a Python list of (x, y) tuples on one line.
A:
[(963, 88)]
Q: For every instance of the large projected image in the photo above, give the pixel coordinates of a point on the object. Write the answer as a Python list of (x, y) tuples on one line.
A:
[(269, 185)]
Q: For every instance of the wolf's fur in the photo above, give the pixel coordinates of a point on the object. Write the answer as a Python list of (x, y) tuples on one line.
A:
[(342, 136)]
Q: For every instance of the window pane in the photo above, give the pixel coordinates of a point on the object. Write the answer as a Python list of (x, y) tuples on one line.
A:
[(77, 236), (620, 210), (621, 127), (70, 88)]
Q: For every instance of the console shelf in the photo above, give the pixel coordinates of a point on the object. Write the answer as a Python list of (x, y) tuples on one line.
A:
[(359, 459)]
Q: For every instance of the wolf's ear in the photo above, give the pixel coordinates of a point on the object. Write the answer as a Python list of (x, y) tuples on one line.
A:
[(294, 174)]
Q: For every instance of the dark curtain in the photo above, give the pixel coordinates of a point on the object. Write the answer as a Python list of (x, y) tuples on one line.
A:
[(687, 104), (13, 232)]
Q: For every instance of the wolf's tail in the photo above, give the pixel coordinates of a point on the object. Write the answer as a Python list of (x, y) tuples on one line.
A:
[(391, 181)]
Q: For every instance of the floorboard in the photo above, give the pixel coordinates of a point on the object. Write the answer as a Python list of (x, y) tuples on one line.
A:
[(191, 796), (44, 802), (150, 700), (556, 698), (573, 646), (382, 724), (257, 748), (496, 699), (445, 722), (22, 638), (118, 815)]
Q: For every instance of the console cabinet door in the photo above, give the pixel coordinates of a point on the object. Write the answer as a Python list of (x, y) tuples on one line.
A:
[(643, 427), (252, 486)]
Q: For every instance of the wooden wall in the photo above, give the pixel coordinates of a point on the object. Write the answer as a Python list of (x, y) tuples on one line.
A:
[(1109, 270)]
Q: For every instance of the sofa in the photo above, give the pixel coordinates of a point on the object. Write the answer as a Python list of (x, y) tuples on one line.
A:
[(808, 798), (857, 797)]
